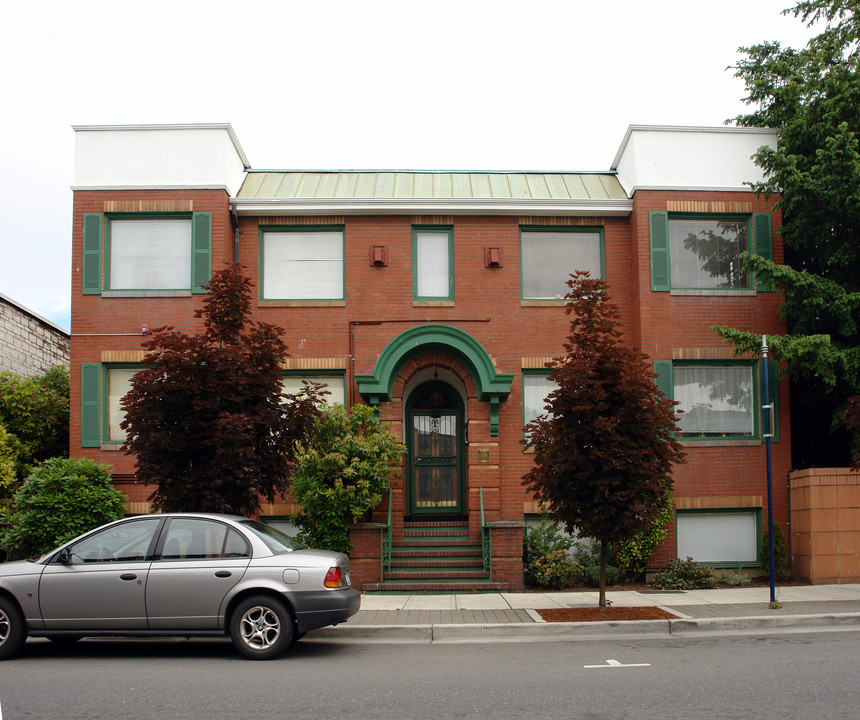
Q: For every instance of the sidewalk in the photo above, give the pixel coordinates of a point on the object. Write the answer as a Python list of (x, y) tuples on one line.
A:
[(514, 616)]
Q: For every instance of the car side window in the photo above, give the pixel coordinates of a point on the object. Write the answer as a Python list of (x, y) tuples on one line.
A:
[(198, 539), (126, 542)]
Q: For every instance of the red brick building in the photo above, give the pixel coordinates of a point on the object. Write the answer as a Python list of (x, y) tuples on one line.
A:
[(436, 297)]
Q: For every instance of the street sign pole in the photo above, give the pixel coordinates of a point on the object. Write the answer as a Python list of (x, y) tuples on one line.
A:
[(767, 406)]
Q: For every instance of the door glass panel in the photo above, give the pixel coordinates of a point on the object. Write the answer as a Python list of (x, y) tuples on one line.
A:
[(434, 442)]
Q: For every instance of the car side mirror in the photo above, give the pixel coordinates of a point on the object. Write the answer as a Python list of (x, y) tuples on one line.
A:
[(65, 556)]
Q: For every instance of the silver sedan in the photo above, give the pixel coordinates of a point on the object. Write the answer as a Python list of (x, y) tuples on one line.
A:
[(177, 574)]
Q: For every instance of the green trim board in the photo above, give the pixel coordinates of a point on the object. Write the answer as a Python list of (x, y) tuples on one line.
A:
[(93, 239), (91, 405), (446, 230), (563, 229), (493, 387), (261, 258)]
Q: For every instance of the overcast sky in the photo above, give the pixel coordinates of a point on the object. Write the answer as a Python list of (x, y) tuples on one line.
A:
[(537, 85)]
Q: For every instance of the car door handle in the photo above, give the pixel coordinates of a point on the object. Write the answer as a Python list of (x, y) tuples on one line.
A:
[(223, 574), (128, 576)]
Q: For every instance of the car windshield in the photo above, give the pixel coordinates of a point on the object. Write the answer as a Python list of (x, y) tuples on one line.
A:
[(275, 540)]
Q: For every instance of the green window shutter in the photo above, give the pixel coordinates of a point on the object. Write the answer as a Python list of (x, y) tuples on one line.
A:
[(773, 396), (91, 376), (201, 251), (660, 274), (763, 243), (664, 379), (92, 260)]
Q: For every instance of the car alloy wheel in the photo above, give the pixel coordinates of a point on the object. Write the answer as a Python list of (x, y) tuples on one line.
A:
[(261, 628)]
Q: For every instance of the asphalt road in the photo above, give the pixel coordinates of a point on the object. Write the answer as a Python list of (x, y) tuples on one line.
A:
[(812, 675)]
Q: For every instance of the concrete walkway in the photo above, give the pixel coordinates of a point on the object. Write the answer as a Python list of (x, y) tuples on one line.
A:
[(514, 616)]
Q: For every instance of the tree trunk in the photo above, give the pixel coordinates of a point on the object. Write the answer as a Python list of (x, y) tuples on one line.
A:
[(603, 548)]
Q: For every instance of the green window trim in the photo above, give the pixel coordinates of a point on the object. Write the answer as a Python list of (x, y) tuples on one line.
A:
[(665, 381), (762, 243), (583, 229), (91, 435), (261, 263), (436, 229), (661, 267), (96, 243), (727, 511)]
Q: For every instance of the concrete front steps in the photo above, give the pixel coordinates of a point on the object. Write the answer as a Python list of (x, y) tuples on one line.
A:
[(436, 557)]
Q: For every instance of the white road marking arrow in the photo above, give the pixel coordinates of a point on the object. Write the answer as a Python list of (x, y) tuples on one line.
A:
[(616, 664)]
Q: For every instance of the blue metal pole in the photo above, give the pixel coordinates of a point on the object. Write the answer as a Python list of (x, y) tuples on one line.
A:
[(767, 436)]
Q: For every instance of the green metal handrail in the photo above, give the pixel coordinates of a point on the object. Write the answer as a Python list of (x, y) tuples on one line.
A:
[(486, 543), (385, 555)]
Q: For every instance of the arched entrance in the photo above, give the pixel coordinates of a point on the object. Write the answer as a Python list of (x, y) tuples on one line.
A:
[(436, 451)]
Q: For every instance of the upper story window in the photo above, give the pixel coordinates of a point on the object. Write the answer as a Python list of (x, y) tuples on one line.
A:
[(690, 252), (549, 256), (717, 400), (536, 387), (149, 254), (432, 263), (146, 253), (302, 263)]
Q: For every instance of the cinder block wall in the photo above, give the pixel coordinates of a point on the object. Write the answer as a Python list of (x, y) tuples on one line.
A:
[(29, 346)]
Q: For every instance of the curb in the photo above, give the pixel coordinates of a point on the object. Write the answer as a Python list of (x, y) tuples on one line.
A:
[(556, 632)]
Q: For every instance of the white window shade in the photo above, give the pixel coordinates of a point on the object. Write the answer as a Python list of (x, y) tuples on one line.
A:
[(716, 401), (303, 265), (549, 258), (150, 254), (718, 537), (433, 275), (119, 383)]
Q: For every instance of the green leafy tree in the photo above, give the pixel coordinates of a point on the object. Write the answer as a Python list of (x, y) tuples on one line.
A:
[(605, 449), (8, 481), (62, 499), (206, 419), (341, 474), (812, 97), (35, 413)]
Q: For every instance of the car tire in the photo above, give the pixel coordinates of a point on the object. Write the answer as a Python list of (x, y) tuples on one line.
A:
[(13, 629), (261, 627)]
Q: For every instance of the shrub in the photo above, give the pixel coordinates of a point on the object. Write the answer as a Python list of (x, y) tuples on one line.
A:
[(62, 499), (732, 577), (545, 556), (587, 556), (685, 575), (8, 479), (341, 474), (781, 564)]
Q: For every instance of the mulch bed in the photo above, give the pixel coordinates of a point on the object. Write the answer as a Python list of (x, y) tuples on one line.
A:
[(593, 614)]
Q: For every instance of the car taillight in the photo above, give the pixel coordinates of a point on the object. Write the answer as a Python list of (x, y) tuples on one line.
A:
[(333, 578)]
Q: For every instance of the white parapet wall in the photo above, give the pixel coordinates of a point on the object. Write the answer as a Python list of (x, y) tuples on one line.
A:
[(158, 156), (655, 157)]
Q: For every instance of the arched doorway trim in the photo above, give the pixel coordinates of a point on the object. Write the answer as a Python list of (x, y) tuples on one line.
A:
[(492, 386)]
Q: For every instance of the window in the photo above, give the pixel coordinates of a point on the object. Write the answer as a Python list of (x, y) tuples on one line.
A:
[(118, 384), (126, 542), (549, 256), (335, 385), (716, 400), (147, 253), (720, 400), (193, 539), (728, 537), (691, 252), (432, 263), (302, 264), (536, 387)]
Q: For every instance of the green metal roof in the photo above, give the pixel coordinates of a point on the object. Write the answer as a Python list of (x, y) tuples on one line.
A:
[(405, 185)]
